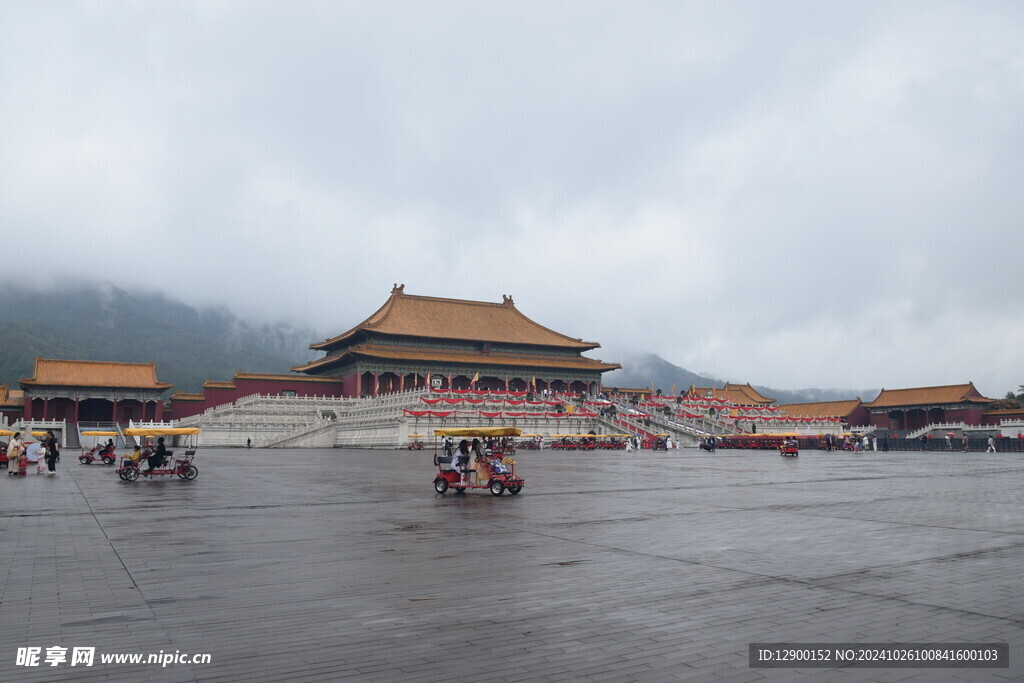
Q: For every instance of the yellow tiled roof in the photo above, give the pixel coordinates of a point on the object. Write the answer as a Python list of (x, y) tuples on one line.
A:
[(822, 408), (740, 394), (438, 318), (183, 396), (11, 397), (90, 373), (213, 384), (952, 393), (479, 358)]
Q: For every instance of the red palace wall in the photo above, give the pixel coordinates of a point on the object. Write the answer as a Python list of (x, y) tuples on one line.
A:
[(216, 396)]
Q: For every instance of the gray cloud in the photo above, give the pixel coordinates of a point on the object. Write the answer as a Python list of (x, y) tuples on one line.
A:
[(795, 194)]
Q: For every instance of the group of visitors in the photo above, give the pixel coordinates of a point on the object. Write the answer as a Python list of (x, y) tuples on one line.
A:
[(20, 454), (467, 457)]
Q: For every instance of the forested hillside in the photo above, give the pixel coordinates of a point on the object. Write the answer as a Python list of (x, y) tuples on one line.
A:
[(102, 322)]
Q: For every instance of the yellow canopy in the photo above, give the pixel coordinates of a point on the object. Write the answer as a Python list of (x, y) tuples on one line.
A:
[(6, 432), (415, 436), (95, 433), (479, 431), (38, 433), (160, 431)]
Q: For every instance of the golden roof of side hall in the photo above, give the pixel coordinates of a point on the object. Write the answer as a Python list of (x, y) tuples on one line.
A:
[(218, 384), (432, 317), (11, 397), (478, 358), (951, 393), (94, 373), (822, 408), (186, 396), (740, 394)]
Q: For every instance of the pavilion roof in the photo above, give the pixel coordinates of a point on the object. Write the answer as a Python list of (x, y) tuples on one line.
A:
[(952, 393), (432, 317), (185, 396), (11, 397), (475, 358), (218, 384), (740, 394), (91, 373), (822, 408)]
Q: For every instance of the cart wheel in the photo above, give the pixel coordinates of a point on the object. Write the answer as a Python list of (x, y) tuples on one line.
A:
[(191, 472), (84, 460), (440, 484), (460, 489), (108, 460), (131, 474), (514, 490), (120, 474), (497, 488)]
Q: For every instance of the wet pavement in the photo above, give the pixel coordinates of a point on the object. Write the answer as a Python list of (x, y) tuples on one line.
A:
[(333, 565)]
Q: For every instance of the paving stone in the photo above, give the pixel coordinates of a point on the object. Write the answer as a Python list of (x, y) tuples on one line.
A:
[(345, 565)]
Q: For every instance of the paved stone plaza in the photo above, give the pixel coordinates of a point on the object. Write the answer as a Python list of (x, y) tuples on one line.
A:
[(345, 565)]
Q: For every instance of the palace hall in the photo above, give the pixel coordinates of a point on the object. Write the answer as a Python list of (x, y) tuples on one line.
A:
[(414, 342)]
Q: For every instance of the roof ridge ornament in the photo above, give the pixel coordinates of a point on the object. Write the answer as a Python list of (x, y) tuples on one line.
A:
[(506, 300), (398, 289)]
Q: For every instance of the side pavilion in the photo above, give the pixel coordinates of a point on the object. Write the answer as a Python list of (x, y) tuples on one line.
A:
[(92, 391), (415, 342), (910, 409)]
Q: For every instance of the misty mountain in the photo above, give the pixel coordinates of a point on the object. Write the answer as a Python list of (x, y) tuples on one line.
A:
[(88, 321), (640, 369)]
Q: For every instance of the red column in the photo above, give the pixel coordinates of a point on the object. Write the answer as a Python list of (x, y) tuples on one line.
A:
[(401, 382), (46, 408), (376, 383), (76, 410)]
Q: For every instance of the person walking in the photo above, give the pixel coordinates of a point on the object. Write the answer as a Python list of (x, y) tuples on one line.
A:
[(963, 444), (991, 445), (53, 453)]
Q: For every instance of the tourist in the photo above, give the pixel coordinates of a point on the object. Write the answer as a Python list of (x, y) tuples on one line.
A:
[(36, 453), (460, 458), (16, 459), (949, 441), (924, 442), (159, 456), (991, 445), (53, 452), (963, 443), (476, 453)]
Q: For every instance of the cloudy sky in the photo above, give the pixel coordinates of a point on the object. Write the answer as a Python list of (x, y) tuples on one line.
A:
[(789, 193)]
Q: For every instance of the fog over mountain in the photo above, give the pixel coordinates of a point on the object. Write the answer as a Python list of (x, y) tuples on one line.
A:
[(96, 320), (640, 369), (81, 320)]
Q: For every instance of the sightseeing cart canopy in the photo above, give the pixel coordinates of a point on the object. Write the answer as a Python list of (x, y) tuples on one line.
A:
[(479, 431), (161, 431)]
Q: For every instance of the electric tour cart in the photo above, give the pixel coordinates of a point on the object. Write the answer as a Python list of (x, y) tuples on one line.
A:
[(179, 465), (100, 451), (494, 471)]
